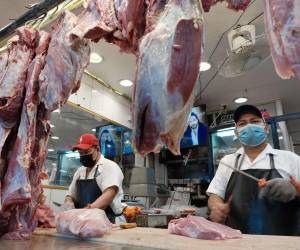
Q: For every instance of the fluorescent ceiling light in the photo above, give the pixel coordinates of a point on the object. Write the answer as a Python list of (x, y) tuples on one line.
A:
[(225, 133), (204, 66), (240, 100), (280, 137), (94, 91), (126, 83), (94, 130), (51, 125), (50, 150), (55, 137), (95, 58), (56, 111)]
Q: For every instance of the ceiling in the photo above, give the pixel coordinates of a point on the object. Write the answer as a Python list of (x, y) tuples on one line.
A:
[(262, 83)]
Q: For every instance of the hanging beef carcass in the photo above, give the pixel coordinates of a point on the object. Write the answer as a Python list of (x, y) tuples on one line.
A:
[(168, 68), (231, 4), (153, 12), (65, 62), (282, 24), (13, 69), (121, 22), (98, 19), (17, 191), (50, 81)]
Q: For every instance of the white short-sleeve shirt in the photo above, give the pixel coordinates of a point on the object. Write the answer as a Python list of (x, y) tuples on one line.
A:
[(287, 163), (109, 174)]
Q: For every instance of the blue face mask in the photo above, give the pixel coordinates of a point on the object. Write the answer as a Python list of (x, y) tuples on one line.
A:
[(252, 135)]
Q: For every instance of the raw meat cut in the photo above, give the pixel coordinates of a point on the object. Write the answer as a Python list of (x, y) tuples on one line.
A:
[(200, 228), (282, 24), (131, 17), (121, 22), (45, 217), (154, 10), (231, 4), (84, 223), (98, 18), (167, 71), (65, 62)]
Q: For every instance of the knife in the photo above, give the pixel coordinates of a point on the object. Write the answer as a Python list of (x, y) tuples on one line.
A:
[(56, 203)]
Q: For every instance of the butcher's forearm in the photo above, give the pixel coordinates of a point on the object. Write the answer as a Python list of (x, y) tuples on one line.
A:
[(104, 200), (214, 200)]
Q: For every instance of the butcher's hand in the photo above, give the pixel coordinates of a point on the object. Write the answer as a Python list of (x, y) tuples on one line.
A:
[(279, 189), (219, 211), (67, 206), (296, 185), (4, 218)]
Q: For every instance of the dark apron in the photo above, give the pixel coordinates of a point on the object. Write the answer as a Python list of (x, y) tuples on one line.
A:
[(87, 191), (253, 215)]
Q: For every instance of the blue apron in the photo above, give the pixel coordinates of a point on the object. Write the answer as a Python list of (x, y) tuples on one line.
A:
[(253, 215)]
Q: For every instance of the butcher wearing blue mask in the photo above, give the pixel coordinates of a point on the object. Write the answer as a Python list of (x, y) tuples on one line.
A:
[(237, 201)]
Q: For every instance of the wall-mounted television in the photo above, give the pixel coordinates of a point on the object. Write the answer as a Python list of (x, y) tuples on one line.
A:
[(196, 132)]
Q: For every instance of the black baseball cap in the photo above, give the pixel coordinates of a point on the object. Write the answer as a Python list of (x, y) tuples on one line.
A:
[(246, 109)]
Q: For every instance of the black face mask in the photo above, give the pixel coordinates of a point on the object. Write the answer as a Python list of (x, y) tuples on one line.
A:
[(88, 161)]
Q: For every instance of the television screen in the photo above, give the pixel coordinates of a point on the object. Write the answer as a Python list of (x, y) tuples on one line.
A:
[(196, 132), (127, 142), (109, 140)]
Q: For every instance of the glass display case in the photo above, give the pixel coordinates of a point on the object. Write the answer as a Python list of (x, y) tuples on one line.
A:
[(68, 163)]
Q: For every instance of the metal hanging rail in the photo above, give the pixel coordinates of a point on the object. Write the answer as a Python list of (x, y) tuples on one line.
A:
[(34, 12)]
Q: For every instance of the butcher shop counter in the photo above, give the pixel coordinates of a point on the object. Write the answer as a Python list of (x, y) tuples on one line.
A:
[(148, 238)]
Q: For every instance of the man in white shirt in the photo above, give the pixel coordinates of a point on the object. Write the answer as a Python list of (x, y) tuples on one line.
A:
[(98, 183), (237, 201)]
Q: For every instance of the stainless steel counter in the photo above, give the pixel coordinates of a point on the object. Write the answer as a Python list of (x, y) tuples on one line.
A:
[(52, 243)]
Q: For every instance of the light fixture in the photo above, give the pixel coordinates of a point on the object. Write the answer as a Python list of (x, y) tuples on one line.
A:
[(280, 137), (94, 91), (55, 137), (240, 100), (94, 130), (95, 58), (50, 150), (226, 132), (204, 66), (126, 83), (56, 111), (51, 125)]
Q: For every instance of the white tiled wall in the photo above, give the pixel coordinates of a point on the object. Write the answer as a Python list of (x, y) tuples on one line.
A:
[(102, 101)]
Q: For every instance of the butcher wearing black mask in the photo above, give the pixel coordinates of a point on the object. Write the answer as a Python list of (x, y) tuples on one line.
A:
[(98, 183)]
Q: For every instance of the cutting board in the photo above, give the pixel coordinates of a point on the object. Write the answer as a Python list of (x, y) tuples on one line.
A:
[(161, 239)]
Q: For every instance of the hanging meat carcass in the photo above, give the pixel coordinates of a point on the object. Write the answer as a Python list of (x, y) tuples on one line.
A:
[(121, 22), (167, 71), (51, 79), (153, 12), (231, 4), (17, 192), (13, 68), (282, 24), (65, 62)]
